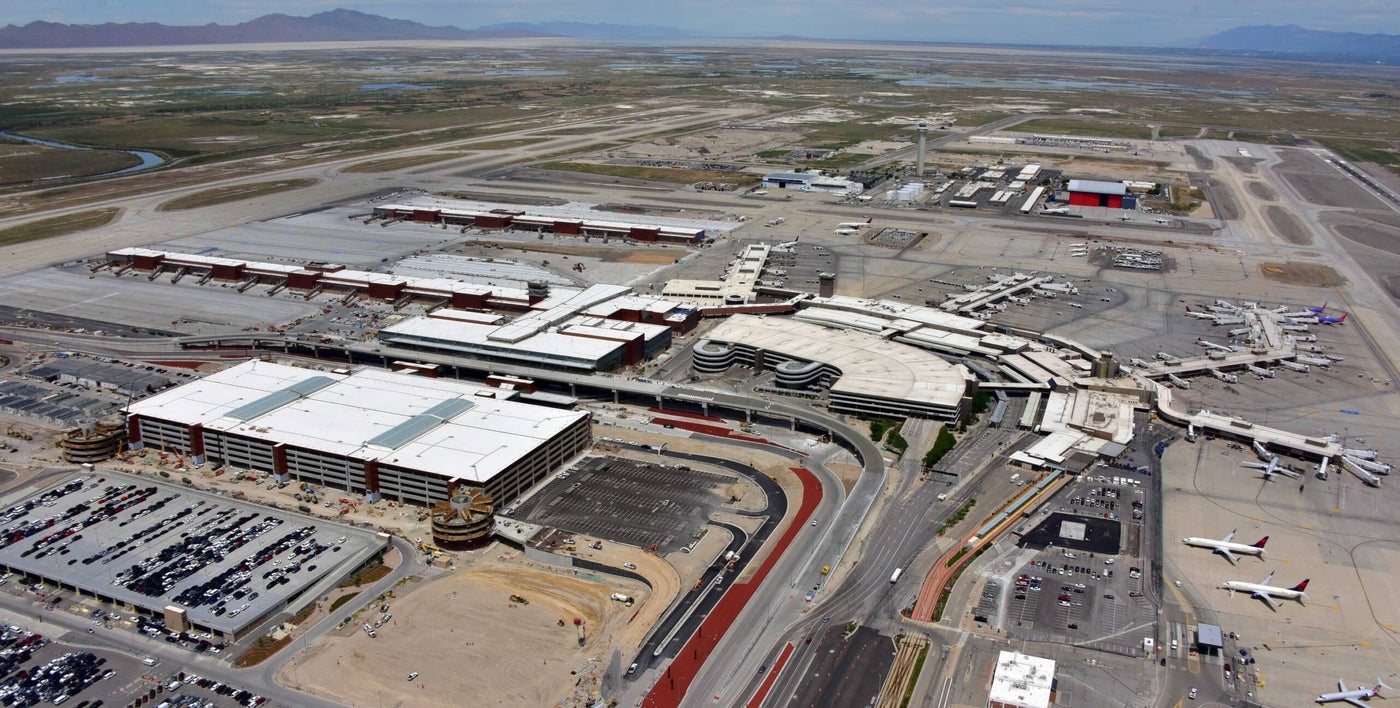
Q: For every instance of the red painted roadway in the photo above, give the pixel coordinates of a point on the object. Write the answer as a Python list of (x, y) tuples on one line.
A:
[(762, 693), (671, 687), (720, 432), (687, 414)]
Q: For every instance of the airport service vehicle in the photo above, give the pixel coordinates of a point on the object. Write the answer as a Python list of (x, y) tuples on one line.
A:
[(895, 578), (1227, 548), (413, 675), (1353, 696), (1262, 590)]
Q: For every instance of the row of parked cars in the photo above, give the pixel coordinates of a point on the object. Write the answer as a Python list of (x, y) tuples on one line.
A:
[(191, 700), (17, 647), (16, 532), (56, 681), (198, 549), (197, 642)]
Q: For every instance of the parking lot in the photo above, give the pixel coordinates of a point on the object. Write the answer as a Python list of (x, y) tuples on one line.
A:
[(37, 670), (149, 544), (1084, 585), (637, 503)]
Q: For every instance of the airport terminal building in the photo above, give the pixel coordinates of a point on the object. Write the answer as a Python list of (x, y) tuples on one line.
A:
[(377, 433), (860, 373)]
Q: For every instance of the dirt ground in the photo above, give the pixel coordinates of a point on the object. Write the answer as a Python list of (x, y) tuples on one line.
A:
[(1306, 274), (518, 655), (650, 257)]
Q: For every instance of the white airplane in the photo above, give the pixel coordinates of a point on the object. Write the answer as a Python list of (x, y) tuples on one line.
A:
[(1272, 468), (1228, 549), (1262, 590), (1261, 451), (856, 224), (1353, 696)]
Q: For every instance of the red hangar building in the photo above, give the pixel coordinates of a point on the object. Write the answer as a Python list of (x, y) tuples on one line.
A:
[(1087, 192)]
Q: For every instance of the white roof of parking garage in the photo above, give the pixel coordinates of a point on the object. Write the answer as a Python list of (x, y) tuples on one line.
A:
[(152, 526), (573, 211), (478, 438), (869, 366), (524, 339)]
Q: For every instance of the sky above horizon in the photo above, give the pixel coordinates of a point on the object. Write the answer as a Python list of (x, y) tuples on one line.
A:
[(1072, 22)]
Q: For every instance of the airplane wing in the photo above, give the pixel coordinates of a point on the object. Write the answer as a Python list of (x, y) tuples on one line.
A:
[(1342, 685), (1267, 578), (1268, 600), (1356, 702), (1228, 555), (1228, 536), (1254, 465)]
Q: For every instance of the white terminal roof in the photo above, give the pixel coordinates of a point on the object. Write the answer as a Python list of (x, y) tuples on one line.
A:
[(527, 340), (573, 211), (869, 366), (742, 276), (1022, 680), (206, 260), (1097, 187), (451, 429)]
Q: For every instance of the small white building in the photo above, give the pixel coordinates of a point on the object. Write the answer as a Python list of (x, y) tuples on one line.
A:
[(1022, 681)]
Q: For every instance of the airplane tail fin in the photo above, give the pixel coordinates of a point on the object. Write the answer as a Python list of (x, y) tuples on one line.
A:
[(1301, 587), (1379, 685), (869, 219), (1188, 308), (1344, 317), (1260, 543)]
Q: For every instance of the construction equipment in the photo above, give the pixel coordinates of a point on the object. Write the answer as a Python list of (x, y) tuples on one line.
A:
[(578, 622), (521, 600), (826, 570)]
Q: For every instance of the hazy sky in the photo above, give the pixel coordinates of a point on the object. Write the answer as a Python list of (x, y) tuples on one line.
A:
[(1117, 22)]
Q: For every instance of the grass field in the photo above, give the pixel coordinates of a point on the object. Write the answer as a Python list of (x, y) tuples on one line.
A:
[(22, 163), (1092, 129), (1178, 131), (234, 193), (654, 174), (970, 118), (57, 226), (389, 164)]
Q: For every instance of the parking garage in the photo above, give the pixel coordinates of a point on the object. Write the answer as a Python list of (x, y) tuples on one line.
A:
[(199, 560)]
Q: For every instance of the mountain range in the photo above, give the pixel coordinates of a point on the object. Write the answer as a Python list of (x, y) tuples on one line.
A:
[(1286, 40), (331, 26)]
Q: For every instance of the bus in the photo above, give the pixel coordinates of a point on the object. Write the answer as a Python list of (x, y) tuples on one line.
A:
[(895, 578)]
